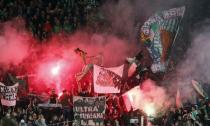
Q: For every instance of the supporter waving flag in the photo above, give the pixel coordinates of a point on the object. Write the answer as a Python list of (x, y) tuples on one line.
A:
[(158, 34)]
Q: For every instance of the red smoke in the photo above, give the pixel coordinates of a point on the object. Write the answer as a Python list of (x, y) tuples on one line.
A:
[(31, 57), (14, 45)]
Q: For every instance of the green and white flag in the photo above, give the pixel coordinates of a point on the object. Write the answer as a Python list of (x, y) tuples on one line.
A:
[(157, 34)]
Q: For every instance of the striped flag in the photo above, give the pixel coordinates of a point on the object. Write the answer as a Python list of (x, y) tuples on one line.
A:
[(170, 24), (157, 34)]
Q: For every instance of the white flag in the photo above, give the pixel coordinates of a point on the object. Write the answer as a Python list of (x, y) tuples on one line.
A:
[(106, 79)]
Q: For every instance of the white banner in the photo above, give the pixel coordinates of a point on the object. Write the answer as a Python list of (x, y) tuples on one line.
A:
[(8, 94), (106, 79)]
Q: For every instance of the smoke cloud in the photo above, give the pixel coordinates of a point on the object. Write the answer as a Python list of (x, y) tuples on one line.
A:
[(149, 98), (125, 17), (194, 65), (14, 45), (17, 46), (60, 49)]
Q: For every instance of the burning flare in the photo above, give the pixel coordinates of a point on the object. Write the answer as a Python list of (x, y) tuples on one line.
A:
[(55, 70), (149, 109)]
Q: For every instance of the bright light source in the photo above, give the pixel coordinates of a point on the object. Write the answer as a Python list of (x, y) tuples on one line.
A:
[(60, 94), (149, 109), (55, 70)]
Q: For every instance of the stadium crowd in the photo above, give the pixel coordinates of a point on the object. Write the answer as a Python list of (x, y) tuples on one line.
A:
[(27, 112), (47, 17)]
